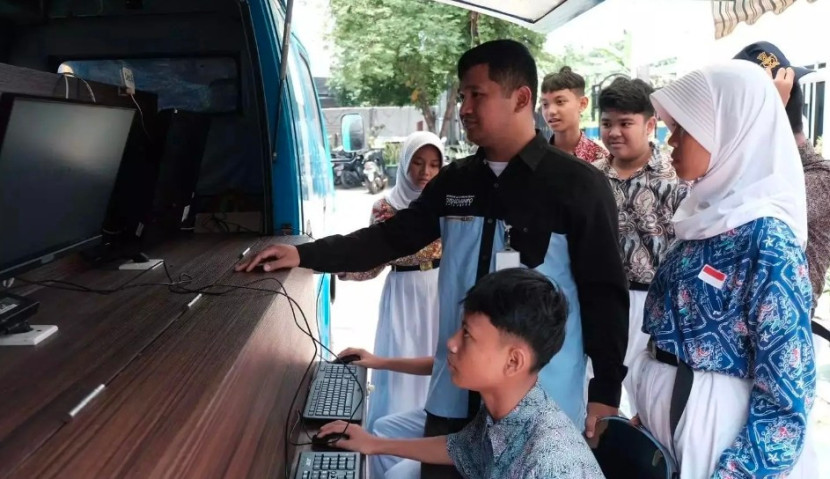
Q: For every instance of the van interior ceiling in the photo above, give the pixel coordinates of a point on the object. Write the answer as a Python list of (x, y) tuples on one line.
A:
[(198, 92)]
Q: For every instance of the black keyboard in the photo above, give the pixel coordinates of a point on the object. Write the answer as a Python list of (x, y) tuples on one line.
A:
[(335, 394), (328, 465)]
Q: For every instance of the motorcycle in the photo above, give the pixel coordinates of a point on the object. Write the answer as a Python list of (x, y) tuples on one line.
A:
[(375, 178), (348, 169), (366, 168), (374, 171)]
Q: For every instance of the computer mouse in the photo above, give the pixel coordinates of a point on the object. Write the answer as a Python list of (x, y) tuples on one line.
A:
[(349, 358), (329, 440)]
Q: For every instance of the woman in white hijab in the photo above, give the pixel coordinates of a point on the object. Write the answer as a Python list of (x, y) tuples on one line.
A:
[(730, 306), (408, 320)]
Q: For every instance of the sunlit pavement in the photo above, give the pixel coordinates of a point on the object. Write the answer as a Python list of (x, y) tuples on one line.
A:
[(355, 309), (355, 315)]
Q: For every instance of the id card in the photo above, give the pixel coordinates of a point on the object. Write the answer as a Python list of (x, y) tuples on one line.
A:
[(508, 259)]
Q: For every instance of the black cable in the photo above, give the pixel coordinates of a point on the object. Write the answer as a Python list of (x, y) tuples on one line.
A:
[(181, 286), (225, 224), (65, 76), (79, 288), (307, 332), (288, 431)]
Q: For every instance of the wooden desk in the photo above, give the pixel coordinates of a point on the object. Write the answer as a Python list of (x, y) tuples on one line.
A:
[(199, 392)]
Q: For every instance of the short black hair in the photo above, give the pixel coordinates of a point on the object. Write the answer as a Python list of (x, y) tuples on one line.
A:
[(566, 79), (795, 109), (509, 62), (627, 96), (526, 304)]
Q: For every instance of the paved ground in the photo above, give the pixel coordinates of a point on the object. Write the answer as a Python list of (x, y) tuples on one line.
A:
[(355, 314), (355, 308)]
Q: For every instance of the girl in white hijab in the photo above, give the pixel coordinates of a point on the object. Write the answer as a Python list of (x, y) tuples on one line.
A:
[(408, 320), (732, 298)]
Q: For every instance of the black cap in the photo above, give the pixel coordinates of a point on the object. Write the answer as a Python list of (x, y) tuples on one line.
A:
[(768, 55)]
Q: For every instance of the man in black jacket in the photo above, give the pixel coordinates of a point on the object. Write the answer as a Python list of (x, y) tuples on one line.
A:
[(516, 201)]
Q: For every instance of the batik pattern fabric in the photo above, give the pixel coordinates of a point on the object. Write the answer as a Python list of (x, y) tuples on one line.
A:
[(587, 149), (382, 211), (817, 184), (646, 202), (754, 324), (535, 441)]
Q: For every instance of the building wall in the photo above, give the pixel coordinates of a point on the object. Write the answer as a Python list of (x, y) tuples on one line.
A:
[(382, 123)]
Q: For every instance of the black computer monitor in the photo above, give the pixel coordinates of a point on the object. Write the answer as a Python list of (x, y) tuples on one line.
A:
[(58, 164)]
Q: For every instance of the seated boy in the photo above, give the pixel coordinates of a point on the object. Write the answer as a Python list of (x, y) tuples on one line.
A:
[(514, 322)]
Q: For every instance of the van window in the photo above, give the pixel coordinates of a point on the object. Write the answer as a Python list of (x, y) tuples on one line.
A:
[(302, 125), (308, 85), (315, 169), (320, 174), (203, 85)]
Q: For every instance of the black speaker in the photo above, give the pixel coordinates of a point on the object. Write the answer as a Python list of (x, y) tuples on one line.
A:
[(180, 159), (132, 195)]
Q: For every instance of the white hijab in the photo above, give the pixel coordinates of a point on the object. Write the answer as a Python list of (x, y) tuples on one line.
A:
[(734, 111), (405, 191)]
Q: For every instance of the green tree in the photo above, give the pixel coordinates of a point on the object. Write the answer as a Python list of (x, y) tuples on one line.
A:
[(595, 65), (404, 52)]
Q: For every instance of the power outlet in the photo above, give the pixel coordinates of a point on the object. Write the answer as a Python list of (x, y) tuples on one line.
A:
[(128, 80)]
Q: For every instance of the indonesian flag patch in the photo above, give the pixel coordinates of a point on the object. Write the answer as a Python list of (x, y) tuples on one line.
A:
[(711, 276)]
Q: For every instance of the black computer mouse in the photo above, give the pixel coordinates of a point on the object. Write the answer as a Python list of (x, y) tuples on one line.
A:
[(349, 358), (329, 440)]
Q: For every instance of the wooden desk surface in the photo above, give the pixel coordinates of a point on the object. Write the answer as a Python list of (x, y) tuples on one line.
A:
[(199, 392)]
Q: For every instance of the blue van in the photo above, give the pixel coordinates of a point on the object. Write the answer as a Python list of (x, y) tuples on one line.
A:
[(225, 62), (189, 130)]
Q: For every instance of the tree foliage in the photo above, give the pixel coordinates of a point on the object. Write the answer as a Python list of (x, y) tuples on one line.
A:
[(596, 65), (404, 52)]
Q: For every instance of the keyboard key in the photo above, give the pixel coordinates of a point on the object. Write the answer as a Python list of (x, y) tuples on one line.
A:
[(327, 465)]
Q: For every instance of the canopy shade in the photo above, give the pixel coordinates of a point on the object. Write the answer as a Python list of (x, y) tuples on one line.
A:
[(540, 15), (729, 13)]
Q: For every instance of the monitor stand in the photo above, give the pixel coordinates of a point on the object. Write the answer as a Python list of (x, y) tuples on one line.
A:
[(107, 253), (37, 334), (15, 312), (141, 264)]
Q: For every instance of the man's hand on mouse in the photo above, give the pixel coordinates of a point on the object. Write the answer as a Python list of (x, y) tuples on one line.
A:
[(367, 359), (358, 441), (284, 257)]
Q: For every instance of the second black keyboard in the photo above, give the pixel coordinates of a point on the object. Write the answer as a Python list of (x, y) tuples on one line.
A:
[(338, 391)]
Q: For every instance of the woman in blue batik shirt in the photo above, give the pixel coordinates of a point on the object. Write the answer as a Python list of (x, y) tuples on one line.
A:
[(732, 297)]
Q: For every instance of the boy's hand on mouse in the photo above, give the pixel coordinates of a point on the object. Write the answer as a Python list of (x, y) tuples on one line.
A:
[(597, 411), (285, 257), (367, 359), (358, 441)]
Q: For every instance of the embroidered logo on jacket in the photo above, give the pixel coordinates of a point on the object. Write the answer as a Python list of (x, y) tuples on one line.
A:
[(460, 200), (768, 60)]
